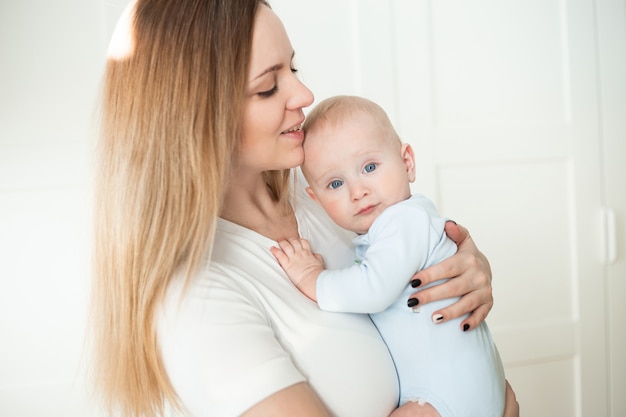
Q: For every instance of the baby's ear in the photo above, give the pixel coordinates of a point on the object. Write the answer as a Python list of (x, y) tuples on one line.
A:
[(311, 194), (409, 160)]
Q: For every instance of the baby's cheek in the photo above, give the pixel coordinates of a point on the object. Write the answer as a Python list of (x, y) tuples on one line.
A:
[(336, 210)]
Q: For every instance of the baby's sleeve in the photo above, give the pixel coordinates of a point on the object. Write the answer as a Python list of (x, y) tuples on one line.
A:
[(396, 247)]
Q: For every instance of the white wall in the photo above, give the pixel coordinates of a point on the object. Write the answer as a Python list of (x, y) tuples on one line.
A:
[(51, 55)]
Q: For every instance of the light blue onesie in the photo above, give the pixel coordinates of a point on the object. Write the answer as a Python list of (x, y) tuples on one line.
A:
[(459, 373)]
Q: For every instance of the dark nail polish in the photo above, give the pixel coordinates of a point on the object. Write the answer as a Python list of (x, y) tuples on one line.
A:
[(416, 283), (412, 302), (466, 327)]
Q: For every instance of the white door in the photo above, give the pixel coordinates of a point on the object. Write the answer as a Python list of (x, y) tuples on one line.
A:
[(611, 23), (510, 113), (500, 100)]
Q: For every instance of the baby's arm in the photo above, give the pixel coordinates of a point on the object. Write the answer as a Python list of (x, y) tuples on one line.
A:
[(300, 263)]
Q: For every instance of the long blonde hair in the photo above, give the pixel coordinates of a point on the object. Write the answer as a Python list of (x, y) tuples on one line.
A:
[(171, 113)]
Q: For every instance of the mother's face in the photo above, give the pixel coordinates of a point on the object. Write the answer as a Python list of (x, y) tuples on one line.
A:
[(272, 137)]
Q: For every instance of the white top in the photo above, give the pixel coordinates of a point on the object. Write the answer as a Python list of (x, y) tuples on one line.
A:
[(242, 331)]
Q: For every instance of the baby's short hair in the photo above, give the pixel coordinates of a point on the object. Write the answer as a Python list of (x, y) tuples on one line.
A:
[(334, 110)]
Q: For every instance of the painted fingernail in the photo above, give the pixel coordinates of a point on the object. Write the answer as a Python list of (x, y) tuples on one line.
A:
[(412, 302), (466, 327), (437, 318), (416, 283)]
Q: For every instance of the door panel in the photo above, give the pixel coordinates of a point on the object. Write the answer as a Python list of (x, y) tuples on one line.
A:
[(513, 129), (611, 23)]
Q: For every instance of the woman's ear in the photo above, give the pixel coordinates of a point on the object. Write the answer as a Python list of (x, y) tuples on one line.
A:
[(409, 160)]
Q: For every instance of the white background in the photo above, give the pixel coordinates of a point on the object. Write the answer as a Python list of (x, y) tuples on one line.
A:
[(517, 113)]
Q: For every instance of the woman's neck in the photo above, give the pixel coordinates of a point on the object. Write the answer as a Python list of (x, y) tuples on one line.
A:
[(250, 204)]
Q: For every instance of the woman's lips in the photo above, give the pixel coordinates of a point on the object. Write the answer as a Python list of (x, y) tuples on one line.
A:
[(295, 132)]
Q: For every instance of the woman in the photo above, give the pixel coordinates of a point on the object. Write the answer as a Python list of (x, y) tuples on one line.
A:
[(201, 127)]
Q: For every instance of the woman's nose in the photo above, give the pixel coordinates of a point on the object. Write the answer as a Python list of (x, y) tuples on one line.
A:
[(301, 96)]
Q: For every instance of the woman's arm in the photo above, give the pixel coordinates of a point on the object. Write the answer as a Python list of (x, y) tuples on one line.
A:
[(296, 400), (471, 281), (300, 400), (511, 407)]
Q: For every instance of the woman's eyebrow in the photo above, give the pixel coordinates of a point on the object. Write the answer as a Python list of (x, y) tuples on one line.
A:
[(273, 67), (270, 69)]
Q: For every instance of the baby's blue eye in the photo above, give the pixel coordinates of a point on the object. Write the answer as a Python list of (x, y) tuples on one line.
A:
[(335, 184), (370, 167)]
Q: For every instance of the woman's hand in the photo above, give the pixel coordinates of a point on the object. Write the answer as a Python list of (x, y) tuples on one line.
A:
[(471, 280), (511, 408), (412, 409)]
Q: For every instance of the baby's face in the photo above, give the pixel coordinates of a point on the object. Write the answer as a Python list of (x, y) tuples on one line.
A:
[(355, 172)]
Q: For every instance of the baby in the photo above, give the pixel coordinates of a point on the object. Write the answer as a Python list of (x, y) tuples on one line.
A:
[(358, 170)]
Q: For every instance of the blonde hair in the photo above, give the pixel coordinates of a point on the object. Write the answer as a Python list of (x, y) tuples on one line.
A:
[(336, 109), (171, 115)]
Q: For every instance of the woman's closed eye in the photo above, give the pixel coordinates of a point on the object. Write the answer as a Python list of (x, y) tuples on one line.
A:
[(268, 93), (274, 89)]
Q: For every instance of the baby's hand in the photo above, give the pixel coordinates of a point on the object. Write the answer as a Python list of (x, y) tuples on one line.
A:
[(300, 263)]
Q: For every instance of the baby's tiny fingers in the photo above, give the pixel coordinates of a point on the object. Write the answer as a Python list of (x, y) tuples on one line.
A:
[(295, 243), (279, 254), (287, 247)]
